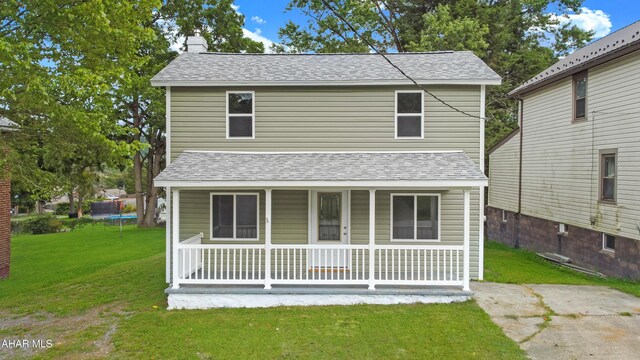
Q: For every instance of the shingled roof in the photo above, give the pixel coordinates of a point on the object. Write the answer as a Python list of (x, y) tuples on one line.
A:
[(209, 168), (612, 46), (222, 69)]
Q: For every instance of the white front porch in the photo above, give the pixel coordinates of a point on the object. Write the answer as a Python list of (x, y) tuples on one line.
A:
[(371, 267)]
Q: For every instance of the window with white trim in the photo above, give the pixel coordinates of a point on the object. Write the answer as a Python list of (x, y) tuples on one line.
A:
[(608, 242), (240, 115), (409, 114), (415, 217), (234, 216)]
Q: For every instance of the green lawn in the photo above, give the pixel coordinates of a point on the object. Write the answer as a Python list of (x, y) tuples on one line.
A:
[(508, 265), (98, 296)]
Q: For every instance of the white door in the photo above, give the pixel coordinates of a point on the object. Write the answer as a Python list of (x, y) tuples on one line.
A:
[(329, 226)]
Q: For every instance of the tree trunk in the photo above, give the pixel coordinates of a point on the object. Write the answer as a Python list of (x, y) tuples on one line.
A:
[(80, 200), (137, 170), (72, 204)]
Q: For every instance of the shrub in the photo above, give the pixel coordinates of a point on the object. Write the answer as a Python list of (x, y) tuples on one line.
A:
[(73, 224), (129, 208), (63, 208), (43, 224)]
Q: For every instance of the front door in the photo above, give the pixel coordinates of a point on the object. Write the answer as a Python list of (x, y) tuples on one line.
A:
[(329, 226)]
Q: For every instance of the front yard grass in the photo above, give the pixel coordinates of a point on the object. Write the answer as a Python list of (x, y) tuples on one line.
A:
[(516, 266), (98, 296)]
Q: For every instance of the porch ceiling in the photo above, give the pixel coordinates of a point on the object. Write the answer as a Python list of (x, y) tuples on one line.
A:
[(350, 169)]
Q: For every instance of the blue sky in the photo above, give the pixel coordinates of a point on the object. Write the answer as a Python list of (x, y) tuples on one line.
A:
[(265, 17)]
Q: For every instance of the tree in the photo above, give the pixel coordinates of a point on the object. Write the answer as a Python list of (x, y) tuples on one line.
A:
[(517, 38), (141, 108), (58, 60)]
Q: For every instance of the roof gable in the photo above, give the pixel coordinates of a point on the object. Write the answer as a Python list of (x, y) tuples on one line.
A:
[(223, 69)]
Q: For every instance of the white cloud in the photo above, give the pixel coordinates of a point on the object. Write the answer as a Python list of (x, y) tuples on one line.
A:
[(256, 36), (258, 20), (591, 20), (235, 7)]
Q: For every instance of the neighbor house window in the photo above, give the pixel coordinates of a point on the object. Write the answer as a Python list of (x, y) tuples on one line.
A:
[(409, 114), (579, 96), (608, 171), (415, 217), (608, 242), (240, 115), (234, 216)]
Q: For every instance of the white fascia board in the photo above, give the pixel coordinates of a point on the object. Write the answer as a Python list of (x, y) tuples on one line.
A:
[(377, 184), (195, 83)]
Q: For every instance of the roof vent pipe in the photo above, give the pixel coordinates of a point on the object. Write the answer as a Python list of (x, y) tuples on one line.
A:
[(196, 43)]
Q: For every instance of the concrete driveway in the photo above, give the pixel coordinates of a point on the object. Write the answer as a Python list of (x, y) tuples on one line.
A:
[(565, 321)]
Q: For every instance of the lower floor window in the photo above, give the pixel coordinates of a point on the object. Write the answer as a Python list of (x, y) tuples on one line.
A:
[(234, 216), (608, 242), (415, 217)]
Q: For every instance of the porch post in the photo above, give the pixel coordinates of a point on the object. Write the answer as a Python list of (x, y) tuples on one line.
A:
[(175, 229), (168, 246), (372, 238), (465, 255), (267, 240)]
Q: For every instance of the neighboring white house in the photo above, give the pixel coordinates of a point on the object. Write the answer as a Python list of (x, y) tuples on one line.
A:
[(322, 178), (568, 181)]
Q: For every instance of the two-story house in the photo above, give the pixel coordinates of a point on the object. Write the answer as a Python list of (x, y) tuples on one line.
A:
[(568, 181), (322, 178)]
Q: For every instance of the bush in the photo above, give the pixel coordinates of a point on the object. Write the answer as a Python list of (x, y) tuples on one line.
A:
[(44, 224), (73, 224), (129, 208), (63, 208)]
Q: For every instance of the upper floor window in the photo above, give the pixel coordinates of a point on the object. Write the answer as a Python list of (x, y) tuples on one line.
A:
[(579, 96), (409, 114), (608, 171), (240, 115)]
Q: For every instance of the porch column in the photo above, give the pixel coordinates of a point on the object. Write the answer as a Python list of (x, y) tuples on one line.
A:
[(175, 229), (465, 255), (168, 233), (267, 240), (372, 238)]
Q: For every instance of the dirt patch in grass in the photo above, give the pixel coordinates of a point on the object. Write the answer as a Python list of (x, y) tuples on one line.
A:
[(65, 332)]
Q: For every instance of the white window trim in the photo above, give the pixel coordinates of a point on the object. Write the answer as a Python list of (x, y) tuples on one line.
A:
[(604, 243), (253, 115), (415, 215), (234, 238), (421, 114)]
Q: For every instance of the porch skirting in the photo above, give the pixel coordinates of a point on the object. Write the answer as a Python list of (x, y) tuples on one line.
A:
[(246, 297)]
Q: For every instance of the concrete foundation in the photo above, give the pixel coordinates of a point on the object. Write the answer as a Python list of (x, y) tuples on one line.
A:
[(207, 298)]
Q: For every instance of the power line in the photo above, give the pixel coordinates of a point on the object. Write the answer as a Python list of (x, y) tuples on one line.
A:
[(368, 43)]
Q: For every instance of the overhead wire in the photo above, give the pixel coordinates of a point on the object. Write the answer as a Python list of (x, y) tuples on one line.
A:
[(370, 45)]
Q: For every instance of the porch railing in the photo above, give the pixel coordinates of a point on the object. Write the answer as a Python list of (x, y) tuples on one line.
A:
[(319, 264)]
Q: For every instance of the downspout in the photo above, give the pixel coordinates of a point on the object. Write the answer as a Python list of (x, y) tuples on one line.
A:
[(517, 222)]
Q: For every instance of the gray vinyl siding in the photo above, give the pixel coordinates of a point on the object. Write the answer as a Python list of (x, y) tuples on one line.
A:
[(503, 175), (290, 218), (561, 159), (324, 119)]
